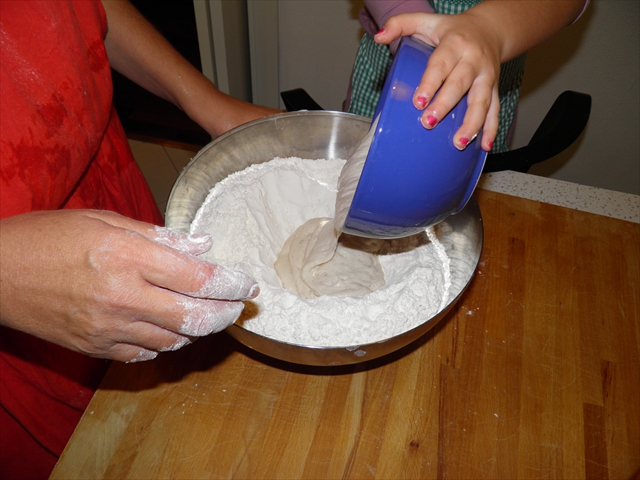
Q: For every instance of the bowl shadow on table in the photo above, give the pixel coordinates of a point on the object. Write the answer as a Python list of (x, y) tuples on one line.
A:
[(215, 350)]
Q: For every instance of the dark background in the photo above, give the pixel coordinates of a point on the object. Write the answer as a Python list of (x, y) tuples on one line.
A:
[(150, 118)]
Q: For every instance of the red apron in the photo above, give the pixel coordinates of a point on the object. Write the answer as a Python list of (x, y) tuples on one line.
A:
[(61, 146)]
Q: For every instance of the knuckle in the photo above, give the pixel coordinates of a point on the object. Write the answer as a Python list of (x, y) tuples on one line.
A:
[(459, 83), (481, 104), (197, 278), (438, 66), (202, 317)]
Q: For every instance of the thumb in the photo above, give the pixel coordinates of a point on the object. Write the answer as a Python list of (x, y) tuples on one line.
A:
[(405, 25)]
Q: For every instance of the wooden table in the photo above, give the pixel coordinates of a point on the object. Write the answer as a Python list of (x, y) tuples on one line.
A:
[(534, 374)]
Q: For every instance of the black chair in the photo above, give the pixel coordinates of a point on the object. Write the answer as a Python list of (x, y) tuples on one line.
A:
[(563, 124)]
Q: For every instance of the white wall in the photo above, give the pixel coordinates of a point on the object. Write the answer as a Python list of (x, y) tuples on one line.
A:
[(598, 55), (318, 44)]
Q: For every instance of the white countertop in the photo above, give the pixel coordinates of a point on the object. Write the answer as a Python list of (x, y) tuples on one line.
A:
[(623, 206)]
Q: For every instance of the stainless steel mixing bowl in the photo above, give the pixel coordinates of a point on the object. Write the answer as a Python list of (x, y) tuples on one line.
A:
[(314, 135)]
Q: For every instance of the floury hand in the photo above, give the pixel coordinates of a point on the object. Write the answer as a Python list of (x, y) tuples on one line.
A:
[(111, 287)]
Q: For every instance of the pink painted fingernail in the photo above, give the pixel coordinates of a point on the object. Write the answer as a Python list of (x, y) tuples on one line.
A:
[(380, 32), (432, 121), (421, 101), (463, 142), (490, 145)]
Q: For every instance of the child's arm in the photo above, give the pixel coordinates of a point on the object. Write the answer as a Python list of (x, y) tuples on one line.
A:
[(470, 48)]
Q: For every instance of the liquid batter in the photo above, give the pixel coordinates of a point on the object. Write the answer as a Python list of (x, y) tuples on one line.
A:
[(314, 262)]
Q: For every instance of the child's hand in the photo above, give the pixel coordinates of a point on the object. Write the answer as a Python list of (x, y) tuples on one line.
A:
[(466, 61)]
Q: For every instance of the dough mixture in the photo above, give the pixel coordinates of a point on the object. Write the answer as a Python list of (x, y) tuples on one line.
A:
[(317, 260), (252, 213)]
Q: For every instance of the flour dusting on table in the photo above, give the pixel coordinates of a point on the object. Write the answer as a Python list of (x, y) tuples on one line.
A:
[(251, 213)]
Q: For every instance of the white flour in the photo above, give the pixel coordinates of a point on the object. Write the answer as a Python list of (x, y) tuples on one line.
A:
[(251, 213)]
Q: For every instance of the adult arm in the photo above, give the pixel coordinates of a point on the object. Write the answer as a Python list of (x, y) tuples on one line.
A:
[(112, 287), (469, 50), (139, 52)]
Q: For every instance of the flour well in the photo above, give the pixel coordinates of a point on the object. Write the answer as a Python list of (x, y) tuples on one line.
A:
[(250, 215), (317, 260)]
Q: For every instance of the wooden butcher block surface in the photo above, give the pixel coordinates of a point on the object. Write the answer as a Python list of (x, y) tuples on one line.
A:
[(534, 374)]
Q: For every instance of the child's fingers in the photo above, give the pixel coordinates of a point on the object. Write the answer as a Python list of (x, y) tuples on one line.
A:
[(447, 76), (438, 71), (479, 99), (491, 121)]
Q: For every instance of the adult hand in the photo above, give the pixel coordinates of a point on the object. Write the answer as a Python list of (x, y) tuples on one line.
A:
[(111, 287), (466, 61)]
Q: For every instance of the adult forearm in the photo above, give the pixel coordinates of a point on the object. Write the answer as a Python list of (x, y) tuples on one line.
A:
[(138, 51), (523, 24)]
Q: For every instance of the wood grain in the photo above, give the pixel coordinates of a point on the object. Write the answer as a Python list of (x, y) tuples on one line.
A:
[(534, 374)]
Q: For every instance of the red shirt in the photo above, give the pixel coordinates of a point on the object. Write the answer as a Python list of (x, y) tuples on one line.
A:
[(61, 146)]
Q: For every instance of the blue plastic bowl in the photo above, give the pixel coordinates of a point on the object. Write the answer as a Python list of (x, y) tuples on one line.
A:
[(413, 177)]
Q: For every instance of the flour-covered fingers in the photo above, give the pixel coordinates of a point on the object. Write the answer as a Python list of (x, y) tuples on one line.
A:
[(186, 315), (223, 283), (209, 280), (189, 275), (183, 242), (196, 244), (123, 352), (126, 352), (172, 327), (151, 336), (166, 259), (185, 294), (162, 321), (200, 317)]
